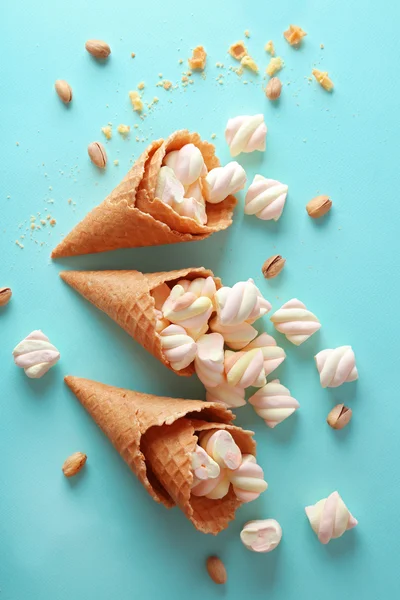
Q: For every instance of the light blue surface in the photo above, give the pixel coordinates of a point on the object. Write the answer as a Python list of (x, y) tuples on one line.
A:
[(99, 535)]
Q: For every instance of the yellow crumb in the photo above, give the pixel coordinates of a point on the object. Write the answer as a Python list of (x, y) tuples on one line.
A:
[(19, 244), (323, 79), (213, 136), (270, 48), (43, 222), (136, 125), (198, 60), (160, 75), (133, 54), (275, 65), (136, 101), (322, 46), (180, 61), (107, 130), (48, 217), (123, 129), (238, 50), (247, 33), (116, 162), (167, 85), (184, 78), (249, 63), (33, 225), (219, 65), (53, 222), (155, 99), (294, 35), (141, 85), (69, 200)]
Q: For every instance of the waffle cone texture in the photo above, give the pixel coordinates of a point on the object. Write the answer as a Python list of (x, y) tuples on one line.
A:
[(156, 436), (125, 296), (131, 216)]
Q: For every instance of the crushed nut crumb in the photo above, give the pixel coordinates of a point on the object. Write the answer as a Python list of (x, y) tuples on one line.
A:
[(238, 50), (213, 136), (199, 58), (249, 63), (107, 130), (53, 222), (247, 33), (323, 79), (167, 85), (180, 61), (19, 244), (141, 85), (270, 48), (116, 162), (275, 65), (133, 54), (136, 101), (33, 225), (123, 129), (322, 46)]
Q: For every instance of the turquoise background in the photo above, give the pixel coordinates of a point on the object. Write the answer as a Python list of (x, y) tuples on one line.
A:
[(99, 535)]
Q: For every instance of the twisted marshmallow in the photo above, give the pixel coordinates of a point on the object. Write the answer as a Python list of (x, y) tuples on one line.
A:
[(202, 286), (226, 394), (248, 480), (185, 309), (330, 518), (240, 303), (265, 198), (35, 354), (222, 448), (295, 321), (169, 189), (245, 369), (178, 347), (246, 134), (235, 336), (192, 209), (261, 536), (187, 163), (209, 361), (223, 181), (215, 489), (195, 190), (336, 366), (273, 403), (273, 355), (203, 466)]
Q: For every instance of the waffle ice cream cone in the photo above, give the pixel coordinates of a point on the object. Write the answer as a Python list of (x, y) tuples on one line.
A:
[(125, 296), (155, 436), (131, 216)]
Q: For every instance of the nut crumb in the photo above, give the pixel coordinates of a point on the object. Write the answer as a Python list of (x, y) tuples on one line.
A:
[(123, 130), (33, 225), (167, 85), (141, 85), (184, 78), (199, 58), (247, 33), (323, 79), (53, 222), (294, 35), (107, 130), (270, 48), (116, 162), (19, 244), (133, 55), (219, 65), (249, 63), (238, 50), (322, 46), (136, 102), (275, 65), (213, 136), (180, 61)]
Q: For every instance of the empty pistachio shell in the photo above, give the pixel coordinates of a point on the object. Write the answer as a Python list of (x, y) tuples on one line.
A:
[(339, 416)]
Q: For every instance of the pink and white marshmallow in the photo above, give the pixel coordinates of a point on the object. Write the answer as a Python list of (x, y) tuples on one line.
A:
[(209, 361), (245, 369), (274, 403), (192, 209), (213, 488), (36, 355), (185, 309), (235, 336), (178, 347), (265, 198), (261, 536), (295, 321), (336, 366), (203, 466), (169, 189), (273, 355), (248, 479), (234, 397), (221, 446), (195, 190), (330, 518), (221, 182), (246, 134), (187, 163), (240, 303), (202, 286)]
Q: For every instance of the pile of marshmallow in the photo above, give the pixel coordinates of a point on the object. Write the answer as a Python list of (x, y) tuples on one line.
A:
[(217, 463), (186, 185), (213, 329)]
